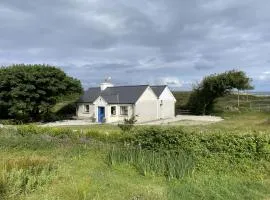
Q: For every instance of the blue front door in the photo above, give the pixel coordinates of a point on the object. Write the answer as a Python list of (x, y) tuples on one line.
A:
[(101, 114)]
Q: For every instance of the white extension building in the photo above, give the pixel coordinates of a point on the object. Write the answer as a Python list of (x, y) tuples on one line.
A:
[(109, 103)]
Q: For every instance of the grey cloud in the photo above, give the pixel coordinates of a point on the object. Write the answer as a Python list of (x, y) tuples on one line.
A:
[(105, 66), (203, 67), (138, 41)]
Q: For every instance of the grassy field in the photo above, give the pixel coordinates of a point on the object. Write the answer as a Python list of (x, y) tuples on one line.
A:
[(225, 160), (96, 163)]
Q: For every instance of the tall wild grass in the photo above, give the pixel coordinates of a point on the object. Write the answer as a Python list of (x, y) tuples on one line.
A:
[(24, 175), (171, 164)]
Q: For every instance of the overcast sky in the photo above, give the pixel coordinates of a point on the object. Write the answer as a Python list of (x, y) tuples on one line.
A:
[(174, 42)]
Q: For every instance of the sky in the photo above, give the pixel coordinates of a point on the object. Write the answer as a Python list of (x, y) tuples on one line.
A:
[(173, 42)]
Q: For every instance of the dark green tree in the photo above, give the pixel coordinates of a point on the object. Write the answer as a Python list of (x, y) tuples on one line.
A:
[(29, 91), (204, 94)]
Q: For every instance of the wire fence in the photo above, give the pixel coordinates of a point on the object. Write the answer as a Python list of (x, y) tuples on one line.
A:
[(249, 105), (259, 106)]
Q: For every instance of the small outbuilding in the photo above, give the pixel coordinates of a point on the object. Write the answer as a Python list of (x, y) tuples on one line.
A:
[(109, 103)]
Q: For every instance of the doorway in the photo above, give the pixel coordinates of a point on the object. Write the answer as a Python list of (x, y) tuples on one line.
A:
[(101, 114)]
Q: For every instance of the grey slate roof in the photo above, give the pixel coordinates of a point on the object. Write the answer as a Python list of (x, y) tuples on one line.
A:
[(90, 95), (158, 89), (119, 94), (114, 95)]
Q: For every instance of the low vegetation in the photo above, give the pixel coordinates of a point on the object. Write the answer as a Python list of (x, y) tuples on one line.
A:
[(146, 162), (24, 175)]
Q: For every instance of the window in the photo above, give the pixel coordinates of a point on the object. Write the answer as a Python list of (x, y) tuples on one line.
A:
[(123, 110), (113, 110), (86, 108)]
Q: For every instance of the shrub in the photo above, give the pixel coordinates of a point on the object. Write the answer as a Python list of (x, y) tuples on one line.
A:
[(128, 124), (67, 111), (158, 139), (52, 131), (59, 134), (93, 119), (11, 122), (250, 145), (50, 117)]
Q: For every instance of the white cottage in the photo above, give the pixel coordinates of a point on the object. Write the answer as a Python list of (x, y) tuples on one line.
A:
[(109, 103)]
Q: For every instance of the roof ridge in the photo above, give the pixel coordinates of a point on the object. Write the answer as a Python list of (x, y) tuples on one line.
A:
[(127, 86), (93, 87), (130, 86), (158, 85), (119, 86)]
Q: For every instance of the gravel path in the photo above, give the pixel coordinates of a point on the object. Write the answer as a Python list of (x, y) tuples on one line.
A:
[(190, 119), (181, 119), (79, 122)]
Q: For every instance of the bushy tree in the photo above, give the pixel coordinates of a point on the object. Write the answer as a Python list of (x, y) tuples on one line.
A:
[(29, 91), (214, 86)]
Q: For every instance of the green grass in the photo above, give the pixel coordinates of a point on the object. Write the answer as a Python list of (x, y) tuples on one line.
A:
[(83, 173), (90, 163), (244, 122), (218, 187)]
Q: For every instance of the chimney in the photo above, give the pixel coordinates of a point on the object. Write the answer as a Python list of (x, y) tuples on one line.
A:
[(106, 83)]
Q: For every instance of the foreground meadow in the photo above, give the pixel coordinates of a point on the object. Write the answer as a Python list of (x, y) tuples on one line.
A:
[(227, 160)]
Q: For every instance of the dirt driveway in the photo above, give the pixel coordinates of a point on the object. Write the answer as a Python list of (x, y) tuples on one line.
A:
[(186, 120), (178, 120)]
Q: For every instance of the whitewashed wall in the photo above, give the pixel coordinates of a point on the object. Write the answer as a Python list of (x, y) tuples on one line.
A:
[(81, 110), (166, 104), (93, 111), (118, 117), (167, 109), (146, 108)]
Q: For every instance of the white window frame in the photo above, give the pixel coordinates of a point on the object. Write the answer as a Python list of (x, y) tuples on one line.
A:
[(124, 110), (85, 108), (113, 114)]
